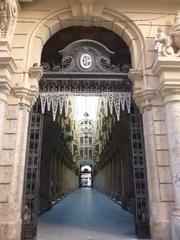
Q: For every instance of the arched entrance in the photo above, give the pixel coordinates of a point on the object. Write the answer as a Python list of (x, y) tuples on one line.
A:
[(86, 176), (85, 63)]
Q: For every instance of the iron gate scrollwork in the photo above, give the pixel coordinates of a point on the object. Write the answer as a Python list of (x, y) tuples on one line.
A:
[(139, 173), (31, 185)]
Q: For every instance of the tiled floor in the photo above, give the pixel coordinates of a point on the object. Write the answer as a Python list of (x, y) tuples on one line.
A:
[(86, 215)]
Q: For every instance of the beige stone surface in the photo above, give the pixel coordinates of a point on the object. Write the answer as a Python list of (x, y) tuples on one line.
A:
[(165, 175), (11, 126), (5, 174), (7, 157), (4, 189), (158, 113), (166, 192), (160, 127), (163, 158)]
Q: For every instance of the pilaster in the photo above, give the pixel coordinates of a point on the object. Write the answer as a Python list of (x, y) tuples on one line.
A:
[(7, 68), (150, 104), (167, 69), (13, 149)]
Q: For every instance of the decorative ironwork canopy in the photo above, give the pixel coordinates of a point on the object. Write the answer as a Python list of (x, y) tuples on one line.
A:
[(85, 70)]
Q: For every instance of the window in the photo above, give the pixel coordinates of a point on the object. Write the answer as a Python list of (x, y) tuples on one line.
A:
[(85, 152), (90, 153), (81, 153), (81, 140)]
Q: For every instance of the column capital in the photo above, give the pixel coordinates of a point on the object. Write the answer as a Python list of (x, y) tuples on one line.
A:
[(143, 99), (142, 96), (28, 93), (168, 71)]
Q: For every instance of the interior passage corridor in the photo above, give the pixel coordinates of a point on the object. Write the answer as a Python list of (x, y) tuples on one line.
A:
[(86, 214)]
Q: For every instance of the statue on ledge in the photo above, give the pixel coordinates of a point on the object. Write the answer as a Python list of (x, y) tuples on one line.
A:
[(167, 41)]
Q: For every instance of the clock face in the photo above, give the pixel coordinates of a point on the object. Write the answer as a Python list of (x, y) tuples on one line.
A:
[(86, 61)]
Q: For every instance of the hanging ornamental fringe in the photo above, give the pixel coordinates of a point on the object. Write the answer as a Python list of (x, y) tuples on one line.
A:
[(53, 100)]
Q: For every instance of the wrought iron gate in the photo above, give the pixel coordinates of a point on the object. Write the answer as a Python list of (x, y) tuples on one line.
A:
[(139, 172), (31, 185), (72, 75)]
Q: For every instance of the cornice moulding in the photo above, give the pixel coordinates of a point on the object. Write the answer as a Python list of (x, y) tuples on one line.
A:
[(26, 96), (163, 64), (168, 71), (8, 63)]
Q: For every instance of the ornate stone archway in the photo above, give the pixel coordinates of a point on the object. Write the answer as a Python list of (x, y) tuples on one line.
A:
[(19, 90)]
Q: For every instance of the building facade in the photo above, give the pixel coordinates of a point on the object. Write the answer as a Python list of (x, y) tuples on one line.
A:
[(151, 30)]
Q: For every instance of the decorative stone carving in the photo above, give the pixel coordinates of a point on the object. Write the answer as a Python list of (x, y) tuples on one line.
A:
[(143, 99), (8, 11), (167, 41)]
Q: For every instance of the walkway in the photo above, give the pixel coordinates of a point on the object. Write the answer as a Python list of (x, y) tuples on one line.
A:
[(83, 215)]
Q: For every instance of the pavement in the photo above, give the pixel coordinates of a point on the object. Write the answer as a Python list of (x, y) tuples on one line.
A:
[(86, 215)]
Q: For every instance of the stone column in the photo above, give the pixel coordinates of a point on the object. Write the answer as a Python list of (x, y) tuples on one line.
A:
[(167, 69), (7, 68), (150, 103), (13, 155)]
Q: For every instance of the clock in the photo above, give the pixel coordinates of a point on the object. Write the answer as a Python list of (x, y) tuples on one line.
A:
[(86, 61)]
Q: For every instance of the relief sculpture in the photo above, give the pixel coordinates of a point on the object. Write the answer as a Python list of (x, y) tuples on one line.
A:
[(8, 12)]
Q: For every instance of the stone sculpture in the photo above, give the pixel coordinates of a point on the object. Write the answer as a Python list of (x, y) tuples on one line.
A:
[(167, 41)]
